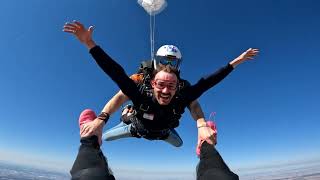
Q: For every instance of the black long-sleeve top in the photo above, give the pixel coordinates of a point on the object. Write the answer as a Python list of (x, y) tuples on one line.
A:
[(161, 112)]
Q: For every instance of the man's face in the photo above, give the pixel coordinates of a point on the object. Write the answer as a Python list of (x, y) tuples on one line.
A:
[(164, 85)]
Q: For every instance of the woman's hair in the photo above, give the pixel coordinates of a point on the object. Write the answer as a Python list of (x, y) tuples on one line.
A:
[(165, 68)]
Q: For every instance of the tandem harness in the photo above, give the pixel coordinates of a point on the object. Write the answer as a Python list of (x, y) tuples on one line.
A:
[(138, 130)]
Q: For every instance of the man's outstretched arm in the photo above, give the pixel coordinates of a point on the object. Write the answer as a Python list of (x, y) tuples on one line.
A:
[(112, 106), (204, 132)]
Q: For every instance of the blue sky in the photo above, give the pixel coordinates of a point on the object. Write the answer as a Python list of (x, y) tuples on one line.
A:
[(267, 109)]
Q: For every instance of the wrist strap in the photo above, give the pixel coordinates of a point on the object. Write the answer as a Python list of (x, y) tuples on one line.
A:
[(104, 117), (202, 126)]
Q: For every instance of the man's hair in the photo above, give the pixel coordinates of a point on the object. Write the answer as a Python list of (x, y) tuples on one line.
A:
[(166, 68)]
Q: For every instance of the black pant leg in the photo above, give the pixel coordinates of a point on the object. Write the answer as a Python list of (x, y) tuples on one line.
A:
[(212, 166), (90, 162)]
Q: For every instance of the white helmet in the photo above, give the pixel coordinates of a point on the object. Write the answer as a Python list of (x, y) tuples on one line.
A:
[(169, 50), (168, 54)]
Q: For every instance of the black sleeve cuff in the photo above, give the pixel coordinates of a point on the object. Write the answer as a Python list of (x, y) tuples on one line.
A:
[(94, 49), (229, 67)]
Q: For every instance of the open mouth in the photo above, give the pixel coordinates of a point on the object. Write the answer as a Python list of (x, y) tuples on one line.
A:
[(165, 97)]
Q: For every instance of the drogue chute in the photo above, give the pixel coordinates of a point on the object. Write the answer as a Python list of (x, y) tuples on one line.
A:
[(153, 7)]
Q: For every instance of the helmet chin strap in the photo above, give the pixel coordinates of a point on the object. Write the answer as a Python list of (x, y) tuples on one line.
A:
[(179, 63), (155, 63)]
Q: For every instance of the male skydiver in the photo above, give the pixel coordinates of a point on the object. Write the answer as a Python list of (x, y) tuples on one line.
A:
[(166, 55), (158, 116)]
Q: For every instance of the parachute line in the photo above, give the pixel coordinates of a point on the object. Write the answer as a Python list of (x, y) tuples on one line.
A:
[(152, 32), (152, 7)]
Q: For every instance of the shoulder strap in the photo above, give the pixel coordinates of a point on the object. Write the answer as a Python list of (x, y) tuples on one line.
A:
[(183, 84), (146, 67)]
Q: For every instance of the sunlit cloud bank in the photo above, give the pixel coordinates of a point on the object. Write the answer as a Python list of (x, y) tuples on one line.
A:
[(308, 169), (45, 163), (302, 170), (154, 175), (9, 171)]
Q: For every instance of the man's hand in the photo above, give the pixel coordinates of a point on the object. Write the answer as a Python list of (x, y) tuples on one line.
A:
[(207, 134), (84, 35), (247, 55), (92, 128)]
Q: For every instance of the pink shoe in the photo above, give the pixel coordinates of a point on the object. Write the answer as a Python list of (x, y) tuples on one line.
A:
[(213, 126), (86, 115)]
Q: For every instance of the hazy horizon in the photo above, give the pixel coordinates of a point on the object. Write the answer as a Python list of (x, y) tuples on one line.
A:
[(303, 168)]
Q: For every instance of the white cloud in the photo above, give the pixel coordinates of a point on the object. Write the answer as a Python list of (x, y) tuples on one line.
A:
[(293, 169), (47, 163), (125, 174)]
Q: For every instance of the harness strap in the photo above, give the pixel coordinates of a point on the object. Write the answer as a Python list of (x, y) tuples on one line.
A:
[(138, 130)]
